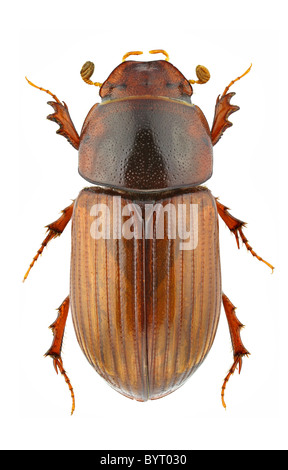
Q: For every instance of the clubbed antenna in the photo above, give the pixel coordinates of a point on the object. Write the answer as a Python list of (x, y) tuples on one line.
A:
[(87, 72), (203, 75)]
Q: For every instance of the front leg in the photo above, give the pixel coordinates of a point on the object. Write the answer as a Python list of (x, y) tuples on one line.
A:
[(223, 109), (62, 117)]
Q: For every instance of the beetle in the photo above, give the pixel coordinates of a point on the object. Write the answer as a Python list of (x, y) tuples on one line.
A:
[(145, 302)]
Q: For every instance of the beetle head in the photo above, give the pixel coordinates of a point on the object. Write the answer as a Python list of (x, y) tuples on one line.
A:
[(154, 78)]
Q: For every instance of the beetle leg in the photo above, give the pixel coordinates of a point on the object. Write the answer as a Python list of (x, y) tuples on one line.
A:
[(62, 117), (235, 226), (238, 348), (58, 328), (54, 230), (223, 109)]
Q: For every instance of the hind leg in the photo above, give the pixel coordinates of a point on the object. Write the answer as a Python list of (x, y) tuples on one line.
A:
[(238, 348), (58, 328)]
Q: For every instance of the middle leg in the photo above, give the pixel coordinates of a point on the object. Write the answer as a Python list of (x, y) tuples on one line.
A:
[(54, 230), (235, 226)]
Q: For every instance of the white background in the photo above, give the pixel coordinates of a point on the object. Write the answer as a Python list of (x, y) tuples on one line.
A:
[(49, 42)]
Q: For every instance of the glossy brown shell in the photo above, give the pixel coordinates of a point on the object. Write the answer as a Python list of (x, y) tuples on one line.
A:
[(145, 312), (146, 134), (145, 143), (154, 78)]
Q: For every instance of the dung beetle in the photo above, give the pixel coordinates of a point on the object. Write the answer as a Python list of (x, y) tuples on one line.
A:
[(145, 291)]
